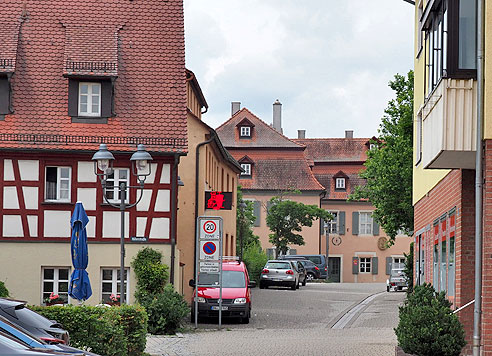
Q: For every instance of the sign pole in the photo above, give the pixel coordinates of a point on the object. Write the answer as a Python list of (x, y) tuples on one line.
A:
[(197, 253)]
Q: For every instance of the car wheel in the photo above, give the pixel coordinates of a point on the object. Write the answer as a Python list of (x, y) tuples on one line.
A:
[(310, 277), (387, 288), (293, 286), (245, 320)]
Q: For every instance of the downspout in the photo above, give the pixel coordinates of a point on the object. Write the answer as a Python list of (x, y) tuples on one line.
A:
[(174, 208), (197, 176), (477, 308), (322, 195)]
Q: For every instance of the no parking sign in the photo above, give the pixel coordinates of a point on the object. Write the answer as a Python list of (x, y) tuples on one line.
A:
[(209, 250)]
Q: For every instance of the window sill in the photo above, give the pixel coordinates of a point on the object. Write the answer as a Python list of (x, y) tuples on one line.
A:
[(245, 177), (89, 120), (54, 202)]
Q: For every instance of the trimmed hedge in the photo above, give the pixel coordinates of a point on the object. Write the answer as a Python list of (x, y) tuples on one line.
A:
[(4, 292), (108, 331)]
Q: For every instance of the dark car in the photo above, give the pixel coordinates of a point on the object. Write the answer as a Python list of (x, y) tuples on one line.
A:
[(26, 337), (47, 330), (312, 271), (318, 260), (12, 347)]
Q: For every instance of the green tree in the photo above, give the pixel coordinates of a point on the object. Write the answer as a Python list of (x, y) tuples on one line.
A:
[(245, 219), (408, 270), (388, 172), (286, 218), (427, 325)]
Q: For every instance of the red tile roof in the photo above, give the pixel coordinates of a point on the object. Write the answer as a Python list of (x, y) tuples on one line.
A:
[(263, 135), (9, 38), (150, 91), (335, 149)]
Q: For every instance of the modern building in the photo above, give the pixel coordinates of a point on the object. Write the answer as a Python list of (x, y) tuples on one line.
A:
[(72, 76), (445, 141)]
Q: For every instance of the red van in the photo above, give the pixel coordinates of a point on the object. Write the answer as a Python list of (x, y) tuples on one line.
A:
[(236, 294)]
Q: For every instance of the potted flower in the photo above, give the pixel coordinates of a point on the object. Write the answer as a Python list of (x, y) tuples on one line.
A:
[(114, 299), (54, 299)]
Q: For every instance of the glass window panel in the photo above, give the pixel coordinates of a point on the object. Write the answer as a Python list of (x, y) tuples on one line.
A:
[(63, 287), (467, 35), (48, 286), (95, 88), (83, 107), (48, 273), (95, 107), (107, 274), (107, 287), (64, 184), (65, 172), (63, 274), (123, 174), (83, 99), (84, 88)]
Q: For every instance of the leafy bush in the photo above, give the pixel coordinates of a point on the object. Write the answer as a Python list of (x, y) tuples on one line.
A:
[(4, 292), (427, 326), (166, 310), (115, 331), (254, 258), (151, 273)]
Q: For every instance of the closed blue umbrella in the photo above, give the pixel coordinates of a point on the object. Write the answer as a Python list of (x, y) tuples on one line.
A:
[(80, 286)]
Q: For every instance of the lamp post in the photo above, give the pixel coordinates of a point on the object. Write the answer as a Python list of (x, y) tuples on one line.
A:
[(242, 207), (141, 168), (327, 232)]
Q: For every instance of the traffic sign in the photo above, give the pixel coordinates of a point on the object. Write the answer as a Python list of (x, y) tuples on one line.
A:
[(209, 267), (209, 250), (210, 229)]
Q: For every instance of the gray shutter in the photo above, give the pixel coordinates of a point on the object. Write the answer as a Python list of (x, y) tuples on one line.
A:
[(355, 223), (256, 212), (268, 206), (375, 227), (374, 265), (388, 265), (4, 96), (321, 226), (355, 265), (73, 98), (106, 98), (341, 222)]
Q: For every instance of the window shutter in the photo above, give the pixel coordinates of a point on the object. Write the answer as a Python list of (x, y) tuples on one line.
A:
[(321, 226), (374, 265), (355, 223), (388, 265), (106, 98), (73, 98), (4, 96), (355, 265), (341, 222), (268, 206), (256, 212), (375, 228)]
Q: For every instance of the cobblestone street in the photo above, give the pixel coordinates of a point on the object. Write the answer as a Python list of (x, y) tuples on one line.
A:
[(285, 322)]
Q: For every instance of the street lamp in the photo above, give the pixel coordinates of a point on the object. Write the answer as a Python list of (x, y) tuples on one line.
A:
[(242, 207), (141, 168)]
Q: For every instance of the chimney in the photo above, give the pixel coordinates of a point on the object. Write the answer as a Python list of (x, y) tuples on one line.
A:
[(235, 107), (301, 133), (349, 133), (277, 116)]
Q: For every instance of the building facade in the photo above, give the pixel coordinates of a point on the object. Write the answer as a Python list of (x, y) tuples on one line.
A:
[(73, 76)]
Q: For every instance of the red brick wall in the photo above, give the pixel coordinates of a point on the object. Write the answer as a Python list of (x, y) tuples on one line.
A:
[(456, 190)]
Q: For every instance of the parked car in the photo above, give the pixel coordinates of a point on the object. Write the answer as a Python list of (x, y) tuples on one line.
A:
[(318, 260), (279, 273), (47, 330), (12, 347), (312, 271), (26, 337), (236, 294), (396, 280)]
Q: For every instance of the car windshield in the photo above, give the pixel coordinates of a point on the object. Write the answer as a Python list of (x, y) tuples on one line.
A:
[(230, 279), (31, 318), (278, 265), (315, 259), (397, 272), (11, 343)]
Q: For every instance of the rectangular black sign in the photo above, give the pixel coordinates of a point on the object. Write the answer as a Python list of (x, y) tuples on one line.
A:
[(218, 200)]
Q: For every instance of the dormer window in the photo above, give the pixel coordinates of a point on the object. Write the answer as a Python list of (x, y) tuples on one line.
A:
[(246, 168), (340, 183), (89, 99), (245, 131)]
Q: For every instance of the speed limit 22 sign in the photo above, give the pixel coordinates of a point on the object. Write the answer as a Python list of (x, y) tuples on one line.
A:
[(209, 228)]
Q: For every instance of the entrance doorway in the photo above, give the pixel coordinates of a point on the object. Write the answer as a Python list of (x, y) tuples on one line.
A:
[(334, 269)]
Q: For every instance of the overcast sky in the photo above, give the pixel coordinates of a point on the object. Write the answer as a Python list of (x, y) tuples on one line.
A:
[(327, 61)]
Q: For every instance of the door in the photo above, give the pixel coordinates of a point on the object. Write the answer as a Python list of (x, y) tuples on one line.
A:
[(334, 269)]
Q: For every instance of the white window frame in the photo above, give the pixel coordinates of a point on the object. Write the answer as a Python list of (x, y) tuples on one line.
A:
[(115, 283), (245, 131), (56, 282), (365, 264), (340, 183), (91, 97), (332, 225), (418, 150), (116, 180), (59, 181), (247, 169), (366, 227)]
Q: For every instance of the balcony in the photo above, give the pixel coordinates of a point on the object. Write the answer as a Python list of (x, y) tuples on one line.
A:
[(449, 125)]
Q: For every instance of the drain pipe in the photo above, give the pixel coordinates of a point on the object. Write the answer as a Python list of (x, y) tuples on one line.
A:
[(477, 309), (174, 209), (197, 176)]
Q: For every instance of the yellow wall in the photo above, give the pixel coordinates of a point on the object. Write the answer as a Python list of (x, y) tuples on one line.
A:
[(488, 69)]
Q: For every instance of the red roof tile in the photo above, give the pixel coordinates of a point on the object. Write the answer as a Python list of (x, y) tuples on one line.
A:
[(9, 38), (335, 149), (150, 91)]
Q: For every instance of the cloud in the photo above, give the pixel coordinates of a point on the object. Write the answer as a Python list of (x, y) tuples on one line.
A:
[(328, 62)]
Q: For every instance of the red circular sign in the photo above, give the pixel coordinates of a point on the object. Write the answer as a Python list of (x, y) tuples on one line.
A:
[(209, 248), (209, 227)]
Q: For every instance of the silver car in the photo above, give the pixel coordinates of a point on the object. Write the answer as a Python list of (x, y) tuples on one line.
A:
[(279, 273), (396, 280)]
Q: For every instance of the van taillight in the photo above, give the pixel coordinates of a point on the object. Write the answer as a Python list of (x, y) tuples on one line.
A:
[(289, 271), (265, 271)]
